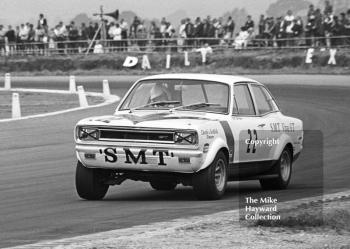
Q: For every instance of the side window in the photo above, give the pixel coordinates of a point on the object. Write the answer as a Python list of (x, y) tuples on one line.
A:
[(244, 100), (262, 98)]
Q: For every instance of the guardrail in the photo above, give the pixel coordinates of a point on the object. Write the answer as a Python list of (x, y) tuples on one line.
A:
[(156, 45)]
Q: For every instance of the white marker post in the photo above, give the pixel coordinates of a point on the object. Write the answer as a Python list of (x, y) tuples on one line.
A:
[(167, 64), (16, 107), (106, 89), (187, 62), (82, 97), (72, 84), (7, 85)]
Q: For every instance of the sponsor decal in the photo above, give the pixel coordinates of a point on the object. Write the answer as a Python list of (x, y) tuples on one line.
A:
[(209, 133), (282, 127), (110, 156)]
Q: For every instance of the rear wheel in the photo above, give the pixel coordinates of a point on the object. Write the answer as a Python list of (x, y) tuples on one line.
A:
[(283, 168), (210, 183), (89, 182), (162, 185)]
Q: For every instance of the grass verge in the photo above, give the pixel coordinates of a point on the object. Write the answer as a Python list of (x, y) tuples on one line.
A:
[(39, 103), (230, 62)]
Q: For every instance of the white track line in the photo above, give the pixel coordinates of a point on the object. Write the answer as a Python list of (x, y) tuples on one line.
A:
[(110, 239), (111, 99)]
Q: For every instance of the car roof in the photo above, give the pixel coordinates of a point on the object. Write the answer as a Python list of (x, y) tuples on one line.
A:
[(228, 79)]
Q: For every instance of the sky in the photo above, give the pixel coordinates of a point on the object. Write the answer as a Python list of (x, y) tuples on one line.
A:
[(17, 11)]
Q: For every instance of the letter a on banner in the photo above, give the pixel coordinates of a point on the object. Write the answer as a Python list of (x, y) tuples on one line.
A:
[(332, 60), (309, 55), (145, 63), (130, 61), (168, 58), (187, 62)]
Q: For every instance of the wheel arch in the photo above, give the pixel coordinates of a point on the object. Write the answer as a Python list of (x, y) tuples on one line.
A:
[(214, 148), (284, 141)]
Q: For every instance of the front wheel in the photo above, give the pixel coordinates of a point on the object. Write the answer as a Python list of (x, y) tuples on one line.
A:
[(210, 183), (89, 182), (283, 168)]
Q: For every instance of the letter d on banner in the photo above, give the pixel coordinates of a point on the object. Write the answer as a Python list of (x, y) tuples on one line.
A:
[(187, 62), (145, 63), (130, 61), (309, 55)]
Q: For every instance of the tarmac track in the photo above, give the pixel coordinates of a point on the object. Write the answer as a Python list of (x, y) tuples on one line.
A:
[(37, 165)]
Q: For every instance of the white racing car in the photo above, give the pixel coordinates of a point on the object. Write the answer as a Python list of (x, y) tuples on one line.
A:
[(198, 130)]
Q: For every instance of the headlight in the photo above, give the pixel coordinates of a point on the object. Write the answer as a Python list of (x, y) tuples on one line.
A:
[(87, 134), (186, 137)]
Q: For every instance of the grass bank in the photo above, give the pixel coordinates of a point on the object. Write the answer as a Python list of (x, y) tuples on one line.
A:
[(38, 103), (230, 62)]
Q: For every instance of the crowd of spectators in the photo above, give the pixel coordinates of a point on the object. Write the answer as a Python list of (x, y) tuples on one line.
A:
[(319, 29)]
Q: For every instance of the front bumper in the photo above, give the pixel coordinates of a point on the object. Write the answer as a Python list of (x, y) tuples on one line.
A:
[(141, 158)]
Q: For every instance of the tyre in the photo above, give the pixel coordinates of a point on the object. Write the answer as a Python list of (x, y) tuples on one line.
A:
[(210, 183), (162, 185), (88, 182), (283, 168)]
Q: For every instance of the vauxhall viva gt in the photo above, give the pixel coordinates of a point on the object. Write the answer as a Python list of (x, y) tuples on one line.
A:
[(198, 130)]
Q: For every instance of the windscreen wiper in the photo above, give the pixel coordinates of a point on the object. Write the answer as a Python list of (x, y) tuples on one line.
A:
[(155, 103), (196, 105)]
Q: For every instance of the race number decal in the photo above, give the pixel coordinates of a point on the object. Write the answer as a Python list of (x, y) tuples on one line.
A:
[(252, 135)]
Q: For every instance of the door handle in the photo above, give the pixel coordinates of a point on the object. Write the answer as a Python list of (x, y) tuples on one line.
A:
[(261, 125)]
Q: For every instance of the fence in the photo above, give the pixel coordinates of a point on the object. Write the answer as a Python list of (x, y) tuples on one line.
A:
[(63, 47)]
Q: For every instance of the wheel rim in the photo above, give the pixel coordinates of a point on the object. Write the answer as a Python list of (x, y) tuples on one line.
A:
[(220, 174), (285, 166)]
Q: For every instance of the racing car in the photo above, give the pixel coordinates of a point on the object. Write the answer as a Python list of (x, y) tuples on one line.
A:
[(199, 130)]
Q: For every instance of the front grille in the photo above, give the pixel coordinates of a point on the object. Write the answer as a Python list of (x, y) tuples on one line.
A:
[(144, 136)]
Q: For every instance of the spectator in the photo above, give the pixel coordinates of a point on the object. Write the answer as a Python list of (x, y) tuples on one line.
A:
[(347, 27), (262, 23), (297, 29), (249, 25), (10, 36), (163, 26), (182, 33), (60, 35), (229, 28), (115, 32), (288, 24), (219, 27), (124, 26), (241, 41), (198, 30), (279, 32), (319, 31), (310, 29), (73, 36), (134, 26), (42, 24), (336, 31), (91, 31), (190, 32), (328, 25), (328, 8), (342, 23), (2, 39)]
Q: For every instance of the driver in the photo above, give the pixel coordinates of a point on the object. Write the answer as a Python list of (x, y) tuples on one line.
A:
[(159, 93)]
